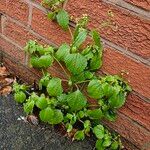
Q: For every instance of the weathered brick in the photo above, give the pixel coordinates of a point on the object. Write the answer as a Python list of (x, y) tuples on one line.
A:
[(130, 131), (132, 31), (145, 4), (138, 110), (139, 74), (48, 28), (18, 9), (26, 74), (2, 6), (12, 50), (19, 34)]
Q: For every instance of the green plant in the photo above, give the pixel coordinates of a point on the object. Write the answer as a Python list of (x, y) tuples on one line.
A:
[(71, 106)]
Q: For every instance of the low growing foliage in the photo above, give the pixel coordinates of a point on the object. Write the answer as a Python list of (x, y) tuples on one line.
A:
[(69, 105)]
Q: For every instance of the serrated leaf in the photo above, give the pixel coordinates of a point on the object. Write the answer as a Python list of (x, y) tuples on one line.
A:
[(56, 118), (79, 135), (80, 38), (107, 89), (69, 127), (54, 87), (117, 100), (51, 15), (107, 142), (99, 145), (115, 145), (76, 101), (45, 61), (99, 131), (44, 81), (95, 114), (63, 19), (41, 102), (20, 97), (96, 38), (96, 62), (62, 99), (75, 63), (110, 115), (34, 61), (94, 89), (62, 52), (46, 114), (28, 107), (47, 50)]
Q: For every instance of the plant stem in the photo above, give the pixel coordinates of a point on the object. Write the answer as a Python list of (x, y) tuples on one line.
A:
[(61, 66), (43, 72), (83, 81), (65, 4), (70, 33)]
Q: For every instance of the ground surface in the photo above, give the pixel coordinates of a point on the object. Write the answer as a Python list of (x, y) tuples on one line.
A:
[(18, 135)]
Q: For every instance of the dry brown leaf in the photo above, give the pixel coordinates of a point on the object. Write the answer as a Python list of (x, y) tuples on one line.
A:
[(71, 134), (3, 71), (6, 90), (32, 119)]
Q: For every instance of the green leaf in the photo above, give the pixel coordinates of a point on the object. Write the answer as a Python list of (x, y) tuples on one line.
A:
[(76, 101), (54, 87), (34, 61), (28, 107), (94, 89), (110, 115), (63, 19), (20, 97), (46, 114), (117, 101), (62, 52), (34, 97), (96, 38), (41, 102), (45, 61), (47, 50), (107, 142), (99, 145), (69, 127), (96, 62), (62, 99), (44, 81), (87, 125), (75, 63), (79, 135), (99, 131), (51, 15), (56, 118), (107, 89), (95, 114), (80, 38), (87, 52), (115, 145)]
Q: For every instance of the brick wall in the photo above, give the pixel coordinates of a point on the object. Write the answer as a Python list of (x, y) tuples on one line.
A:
[(127, 49)]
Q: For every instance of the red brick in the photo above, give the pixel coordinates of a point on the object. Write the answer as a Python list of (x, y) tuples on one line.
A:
[(18, 10), (130, 131), (47, 28), (145, 4), (138, 110), (24, 73), (2, 6), (139, 74), (18, 34), (133, 32), (12, 50)]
